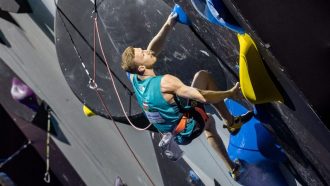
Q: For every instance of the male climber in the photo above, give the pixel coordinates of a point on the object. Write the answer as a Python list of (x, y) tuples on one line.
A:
[(157, 96)]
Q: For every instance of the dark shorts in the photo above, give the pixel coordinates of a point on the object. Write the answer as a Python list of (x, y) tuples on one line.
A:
[(195, 125)]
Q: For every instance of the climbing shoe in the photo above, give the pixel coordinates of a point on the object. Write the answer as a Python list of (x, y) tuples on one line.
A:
[(238, 122), (237, 171)]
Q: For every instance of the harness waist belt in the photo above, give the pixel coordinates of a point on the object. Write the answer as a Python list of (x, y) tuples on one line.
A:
[(183, 121)]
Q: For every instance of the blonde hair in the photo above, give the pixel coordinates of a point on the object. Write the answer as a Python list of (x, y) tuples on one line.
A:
[(127, 60)]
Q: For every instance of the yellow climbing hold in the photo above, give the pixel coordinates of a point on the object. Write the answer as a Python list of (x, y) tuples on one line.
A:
[(88, 111), (256, 84)]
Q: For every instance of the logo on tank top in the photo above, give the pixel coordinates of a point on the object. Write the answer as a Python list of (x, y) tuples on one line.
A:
[(152, 115)]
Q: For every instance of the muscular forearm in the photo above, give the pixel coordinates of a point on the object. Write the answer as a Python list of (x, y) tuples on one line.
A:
[(215, 96), (157, 42), (191, 93)]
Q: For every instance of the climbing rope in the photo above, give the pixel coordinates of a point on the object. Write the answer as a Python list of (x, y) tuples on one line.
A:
[(119, 99), (112, 79), (101, 98), (47, 175), (15, 154), (92, 83), (121, 134), (83, 65)]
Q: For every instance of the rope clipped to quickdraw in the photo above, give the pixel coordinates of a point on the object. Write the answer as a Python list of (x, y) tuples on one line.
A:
[(99, 95), (47, 175), (91, 83), (15, 154)]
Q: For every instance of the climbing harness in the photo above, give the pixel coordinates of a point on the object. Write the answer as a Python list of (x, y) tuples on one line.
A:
[(15, 154), (168, 144), (186, 115)]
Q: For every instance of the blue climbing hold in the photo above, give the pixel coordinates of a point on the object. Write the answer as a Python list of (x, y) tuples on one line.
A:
[(182, 16), (220, 15), (256, 149), (216, 12)]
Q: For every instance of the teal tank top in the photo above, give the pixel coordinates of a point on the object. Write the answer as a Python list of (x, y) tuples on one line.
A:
[(160, 113)]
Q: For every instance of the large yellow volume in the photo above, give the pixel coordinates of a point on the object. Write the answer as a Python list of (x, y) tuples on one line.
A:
[(256, 84)]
